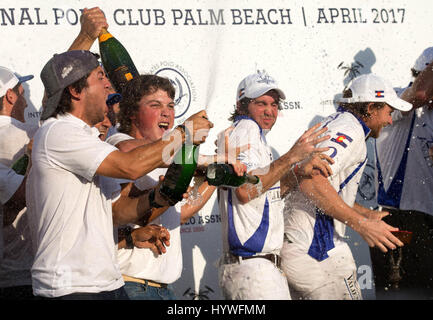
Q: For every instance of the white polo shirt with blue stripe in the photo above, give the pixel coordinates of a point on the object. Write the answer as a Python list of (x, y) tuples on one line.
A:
[(305, 224), (257, 226)]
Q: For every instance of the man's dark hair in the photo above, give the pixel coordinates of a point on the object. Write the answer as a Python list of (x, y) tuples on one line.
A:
[(241, 109), (65, 103), (359, 108), (134, 91), (14, 89)]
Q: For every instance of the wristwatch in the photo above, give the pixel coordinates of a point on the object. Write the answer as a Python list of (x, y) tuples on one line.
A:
[(152, 202)]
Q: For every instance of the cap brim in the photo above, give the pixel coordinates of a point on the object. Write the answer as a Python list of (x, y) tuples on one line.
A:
[(50, 106), (25, 78), (264, 90), (346, 100), (113, 98), (399, 104)]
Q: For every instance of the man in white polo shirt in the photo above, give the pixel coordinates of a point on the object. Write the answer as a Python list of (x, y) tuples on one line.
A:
[(317, 261), (405, 178), (71, 215), (252, 220), (15, 277), (148, 116)]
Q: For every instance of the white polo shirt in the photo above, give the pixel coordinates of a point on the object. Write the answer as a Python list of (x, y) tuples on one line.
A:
[(257, 226), (9, 183), (142, 263), (17, 253), (404, 167), (305, 225), (15, 137), (70, 217)]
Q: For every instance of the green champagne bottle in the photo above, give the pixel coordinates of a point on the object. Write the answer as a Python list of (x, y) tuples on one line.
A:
[(20, 166), (224, 175), (180, 172), (116, 60)]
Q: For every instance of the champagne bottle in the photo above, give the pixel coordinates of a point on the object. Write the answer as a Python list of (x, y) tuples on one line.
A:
[(20, 166), (180, 173), (116, 61), (223, 175)]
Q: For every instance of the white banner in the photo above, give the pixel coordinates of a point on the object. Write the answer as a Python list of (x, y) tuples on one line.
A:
[(312, 48)]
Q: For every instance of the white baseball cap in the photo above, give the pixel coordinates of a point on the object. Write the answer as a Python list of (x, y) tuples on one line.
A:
[(372, 88), (256, 85), (8, 80), (424, 59)]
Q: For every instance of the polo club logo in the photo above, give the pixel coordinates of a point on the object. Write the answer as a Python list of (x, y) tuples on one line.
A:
[(182, 85)]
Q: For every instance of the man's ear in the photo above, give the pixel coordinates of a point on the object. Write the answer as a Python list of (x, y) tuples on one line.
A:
[(75, 95), (370, 109), (11, 96)]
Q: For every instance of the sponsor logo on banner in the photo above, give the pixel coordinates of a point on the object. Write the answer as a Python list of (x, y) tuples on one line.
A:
[(182, 83), (289, 105), (198, 223)]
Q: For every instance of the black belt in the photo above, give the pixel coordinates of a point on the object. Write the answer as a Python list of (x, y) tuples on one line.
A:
[(274, 258)]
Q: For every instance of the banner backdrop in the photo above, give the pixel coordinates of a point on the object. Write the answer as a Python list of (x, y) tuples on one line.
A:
[(312, 48)]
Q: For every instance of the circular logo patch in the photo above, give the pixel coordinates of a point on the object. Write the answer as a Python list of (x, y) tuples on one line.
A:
[(183, 96)]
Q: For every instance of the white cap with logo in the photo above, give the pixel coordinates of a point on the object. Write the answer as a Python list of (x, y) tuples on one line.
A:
[(372, 88), (256, 85), (8, 80), (424, 59)]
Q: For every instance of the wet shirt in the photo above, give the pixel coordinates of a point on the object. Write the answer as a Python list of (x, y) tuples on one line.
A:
[(305, 224), (404, 167), (257, 226), (142, 263)]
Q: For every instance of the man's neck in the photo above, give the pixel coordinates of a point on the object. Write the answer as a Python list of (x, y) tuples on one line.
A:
[(135, 133)]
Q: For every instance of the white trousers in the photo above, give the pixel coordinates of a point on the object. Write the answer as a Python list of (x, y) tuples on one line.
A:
[(331, 279), (253, 279)]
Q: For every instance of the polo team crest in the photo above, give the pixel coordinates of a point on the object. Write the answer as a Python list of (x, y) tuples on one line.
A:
[(264, 78), (342, 139), (379, 94), (182, 84)]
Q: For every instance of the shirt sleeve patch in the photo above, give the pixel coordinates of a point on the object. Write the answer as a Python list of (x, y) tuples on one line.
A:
[(342, 139)]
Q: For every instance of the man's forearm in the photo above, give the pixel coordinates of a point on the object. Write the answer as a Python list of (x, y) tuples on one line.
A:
[(320, 191), (189, 209), (276, 171), (134, 208), (141, 160), (81, 42), (288, 183), (421, 91)]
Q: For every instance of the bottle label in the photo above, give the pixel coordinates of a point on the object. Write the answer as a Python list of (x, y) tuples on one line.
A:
[(120, 76)]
